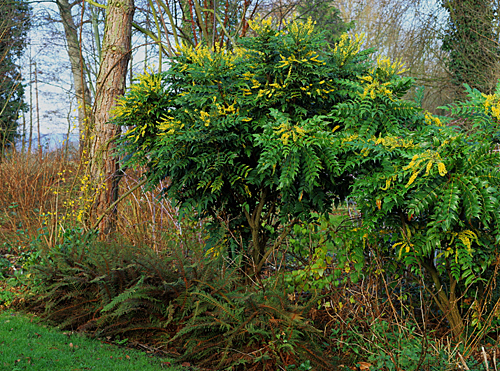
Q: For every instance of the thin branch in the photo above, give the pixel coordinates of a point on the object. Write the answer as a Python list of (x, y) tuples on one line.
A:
[(112, 206)]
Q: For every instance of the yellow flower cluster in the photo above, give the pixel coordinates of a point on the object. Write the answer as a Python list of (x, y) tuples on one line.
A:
[(390, 68), (248, 75), (492, 103), (429, 158), (300, 28), (285, 131), (205, 117), (295, 28), (350, 138), (392, 142), (348, 47), (406, 244), (226, 109), (373, 87), (200, 54), (430, 119), (388, 182), (168, 124), (128, 105), (259, 25), (152, 82), (309, 57), (466, 237), (139, 131)]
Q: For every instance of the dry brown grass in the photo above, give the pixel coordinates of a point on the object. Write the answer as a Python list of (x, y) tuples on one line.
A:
[(27, 190), (45, 194)]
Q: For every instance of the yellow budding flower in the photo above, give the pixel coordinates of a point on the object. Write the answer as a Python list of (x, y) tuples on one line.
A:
[(205, 117), (442, 169), (412, 179), (348, 47)]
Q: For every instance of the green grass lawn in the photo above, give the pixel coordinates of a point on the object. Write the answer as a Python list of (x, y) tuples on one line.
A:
[(25, 344)]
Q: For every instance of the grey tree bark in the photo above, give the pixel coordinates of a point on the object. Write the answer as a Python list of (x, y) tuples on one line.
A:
[(77, 64)]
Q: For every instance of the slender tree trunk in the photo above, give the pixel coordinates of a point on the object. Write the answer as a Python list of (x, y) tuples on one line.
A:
[(77, 64), (23, 138), (38, 114), (110, 85), (30, 137)]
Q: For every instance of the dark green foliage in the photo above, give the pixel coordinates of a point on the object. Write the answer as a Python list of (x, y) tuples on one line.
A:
[(14, 24), (429, 194), (244, 135)]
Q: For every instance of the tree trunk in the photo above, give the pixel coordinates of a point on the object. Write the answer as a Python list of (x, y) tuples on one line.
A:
[(77, 64), (110, 85)]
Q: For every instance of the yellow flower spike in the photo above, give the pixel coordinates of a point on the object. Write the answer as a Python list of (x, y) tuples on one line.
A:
[(495, 111), (387, 184), (412, 179), (397, 67), (428, 167), (205, 117), (284, 138), (442, 169)]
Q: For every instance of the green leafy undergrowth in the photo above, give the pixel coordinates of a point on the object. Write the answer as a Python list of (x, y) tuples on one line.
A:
[(26, 344)]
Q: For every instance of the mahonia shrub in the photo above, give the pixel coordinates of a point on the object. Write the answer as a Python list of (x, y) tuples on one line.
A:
[(244, 134), (429, 195), (261, 135)]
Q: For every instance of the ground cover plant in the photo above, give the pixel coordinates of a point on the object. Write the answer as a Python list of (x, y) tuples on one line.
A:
[(28, 345), (246, 150)]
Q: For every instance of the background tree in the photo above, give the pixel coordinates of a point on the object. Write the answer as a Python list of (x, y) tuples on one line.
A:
[(14, 24), (110, 85), (77, 61), (408, 31), (327, 17), (471, 41)]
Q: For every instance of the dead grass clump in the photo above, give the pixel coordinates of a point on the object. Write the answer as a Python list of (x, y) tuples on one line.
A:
[(28, 189)]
